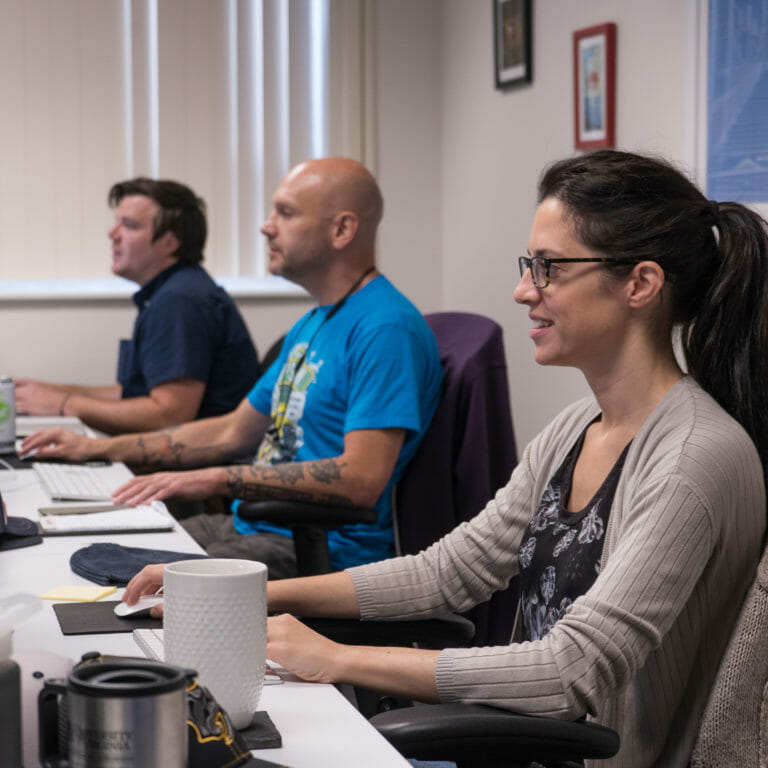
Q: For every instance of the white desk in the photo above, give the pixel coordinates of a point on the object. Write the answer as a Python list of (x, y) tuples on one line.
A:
[(319, 727)]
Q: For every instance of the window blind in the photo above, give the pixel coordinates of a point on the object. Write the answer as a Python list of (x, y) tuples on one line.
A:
[(223, 95)]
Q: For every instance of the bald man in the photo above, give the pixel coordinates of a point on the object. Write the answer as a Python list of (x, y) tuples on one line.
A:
[(337, 416)]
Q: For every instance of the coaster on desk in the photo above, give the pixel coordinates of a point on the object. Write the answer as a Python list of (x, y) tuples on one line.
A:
[(98, 619), (261, 733)]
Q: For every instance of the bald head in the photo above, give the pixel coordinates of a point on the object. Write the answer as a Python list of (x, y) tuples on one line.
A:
[(321, 232), (341, 184)]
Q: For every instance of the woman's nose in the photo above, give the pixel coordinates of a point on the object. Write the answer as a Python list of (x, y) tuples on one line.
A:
[(525, 291)]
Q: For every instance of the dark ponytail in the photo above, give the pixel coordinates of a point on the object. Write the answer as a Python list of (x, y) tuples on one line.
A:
[(715, 260), (726, 341)]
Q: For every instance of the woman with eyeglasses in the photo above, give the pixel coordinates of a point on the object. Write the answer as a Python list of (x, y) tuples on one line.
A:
[(635, 519)]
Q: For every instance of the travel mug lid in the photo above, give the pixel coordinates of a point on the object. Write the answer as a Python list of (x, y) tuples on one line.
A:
[(128, 677)]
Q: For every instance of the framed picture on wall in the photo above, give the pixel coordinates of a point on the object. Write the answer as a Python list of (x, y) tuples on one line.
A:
[(594, 86), (512, 42)]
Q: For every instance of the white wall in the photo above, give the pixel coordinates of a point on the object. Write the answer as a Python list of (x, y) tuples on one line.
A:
[(458, 164), (410, 86), (76, 341), (493, 145)]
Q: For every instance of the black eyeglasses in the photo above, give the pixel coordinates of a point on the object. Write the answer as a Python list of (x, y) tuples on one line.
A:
[(539, 266)]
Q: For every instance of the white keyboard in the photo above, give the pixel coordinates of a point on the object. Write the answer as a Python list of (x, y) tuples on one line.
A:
[(151, 643), (77, 482)]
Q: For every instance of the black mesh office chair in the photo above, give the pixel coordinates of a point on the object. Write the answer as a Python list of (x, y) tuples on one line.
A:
[(476, 736), (732, 730)]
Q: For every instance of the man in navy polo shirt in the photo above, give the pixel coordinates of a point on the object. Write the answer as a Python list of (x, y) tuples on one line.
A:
[(191, 355)]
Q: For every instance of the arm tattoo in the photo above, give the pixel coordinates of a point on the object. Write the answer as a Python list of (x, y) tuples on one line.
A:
[(279, 481), (168, 453), (162, 449), (325, 471)]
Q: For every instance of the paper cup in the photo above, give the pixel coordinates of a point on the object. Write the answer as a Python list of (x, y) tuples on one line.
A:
[(215, 622)]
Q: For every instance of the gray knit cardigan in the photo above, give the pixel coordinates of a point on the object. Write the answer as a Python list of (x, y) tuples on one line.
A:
[(640, 650)]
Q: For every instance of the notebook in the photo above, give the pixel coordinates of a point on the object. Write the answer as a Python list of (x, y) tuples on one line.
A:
[(142, 519)]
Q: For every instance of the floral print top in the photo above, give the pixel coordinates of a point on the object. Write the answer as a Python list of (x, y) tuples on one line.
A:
[(560, 552)]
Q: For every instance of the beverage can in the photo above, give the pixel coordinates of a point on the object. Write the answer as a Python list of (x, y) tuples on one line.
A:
[(7, 414)]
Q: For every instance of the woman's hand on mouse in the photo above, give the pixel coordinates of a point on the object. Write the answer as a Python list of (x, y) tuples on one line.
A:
[(146, 582)]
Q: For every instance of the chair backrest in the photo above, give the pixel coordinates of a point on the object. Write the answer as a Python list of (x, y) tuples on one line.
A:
[(467, 453), (734, 728), (272, 353)]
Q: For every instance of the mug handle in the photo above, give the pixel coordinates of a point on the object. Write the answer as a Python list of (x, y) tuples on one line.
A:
[(53, 730)]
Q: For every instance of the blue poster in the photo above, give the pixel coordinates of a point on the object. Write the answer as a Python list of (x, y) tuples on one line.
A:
[(737, 114)]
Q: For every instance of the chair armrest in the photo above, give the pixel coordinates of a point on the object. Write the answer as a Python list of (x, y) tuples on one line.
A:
[(308, 523), (476, 734), (447, 631), (290, 513)]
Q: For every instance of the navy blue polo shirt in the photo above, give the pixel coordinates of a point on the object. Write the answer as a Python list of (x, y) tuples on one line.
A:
[(188, 327)]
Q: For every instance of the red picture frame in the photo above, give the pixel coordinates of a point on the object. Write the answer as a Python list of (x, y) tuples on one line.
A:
[(594, 86)]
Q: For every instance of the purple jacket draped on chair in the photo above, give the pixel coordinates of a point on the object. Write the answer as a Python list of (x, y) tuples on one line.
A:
[(467, 453)]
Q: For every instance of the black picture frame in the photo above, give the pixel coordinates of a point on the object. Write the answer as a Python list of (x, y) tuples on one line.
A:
[(513, 42)]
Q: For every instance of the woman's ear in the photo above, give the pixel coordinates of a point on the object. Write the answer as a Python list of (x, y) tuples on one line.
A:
[(645, 283)]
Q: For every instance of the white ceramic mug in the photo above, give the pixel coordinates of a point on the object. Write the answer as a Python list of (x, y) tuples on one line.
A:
[(215, 622)]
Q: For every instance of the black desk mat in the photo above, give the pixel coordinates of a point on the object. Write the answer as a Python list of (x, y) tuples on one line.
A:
[(98, 618)]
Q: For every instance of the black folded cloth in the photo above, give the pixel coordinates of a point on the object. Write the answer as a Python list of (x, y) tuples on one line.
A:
[(107, 563)]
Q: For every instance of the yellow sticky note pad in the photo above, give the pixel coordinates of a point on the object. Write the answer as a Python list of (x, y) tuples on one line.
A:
[(83, 594)]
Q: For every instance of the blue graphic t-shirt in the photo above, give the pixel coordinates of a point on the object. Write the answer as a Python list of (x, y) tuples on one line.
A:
[(373, 365)]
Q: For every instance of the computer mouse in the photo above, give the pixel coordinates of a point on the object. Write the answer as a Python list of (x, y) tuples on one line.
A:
[(139, 608)]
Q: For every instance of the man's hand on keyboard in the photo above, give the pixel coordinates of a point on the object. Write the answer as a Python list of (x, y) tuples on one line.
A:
[(60, 443), (193, 484)]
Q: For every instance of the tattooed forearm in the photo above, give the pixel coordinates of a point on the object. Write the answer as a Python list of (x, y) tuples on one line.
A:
[(165, 449), (253, 492), (325, 471), (281, 474), (258, 482), (165, 452)]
